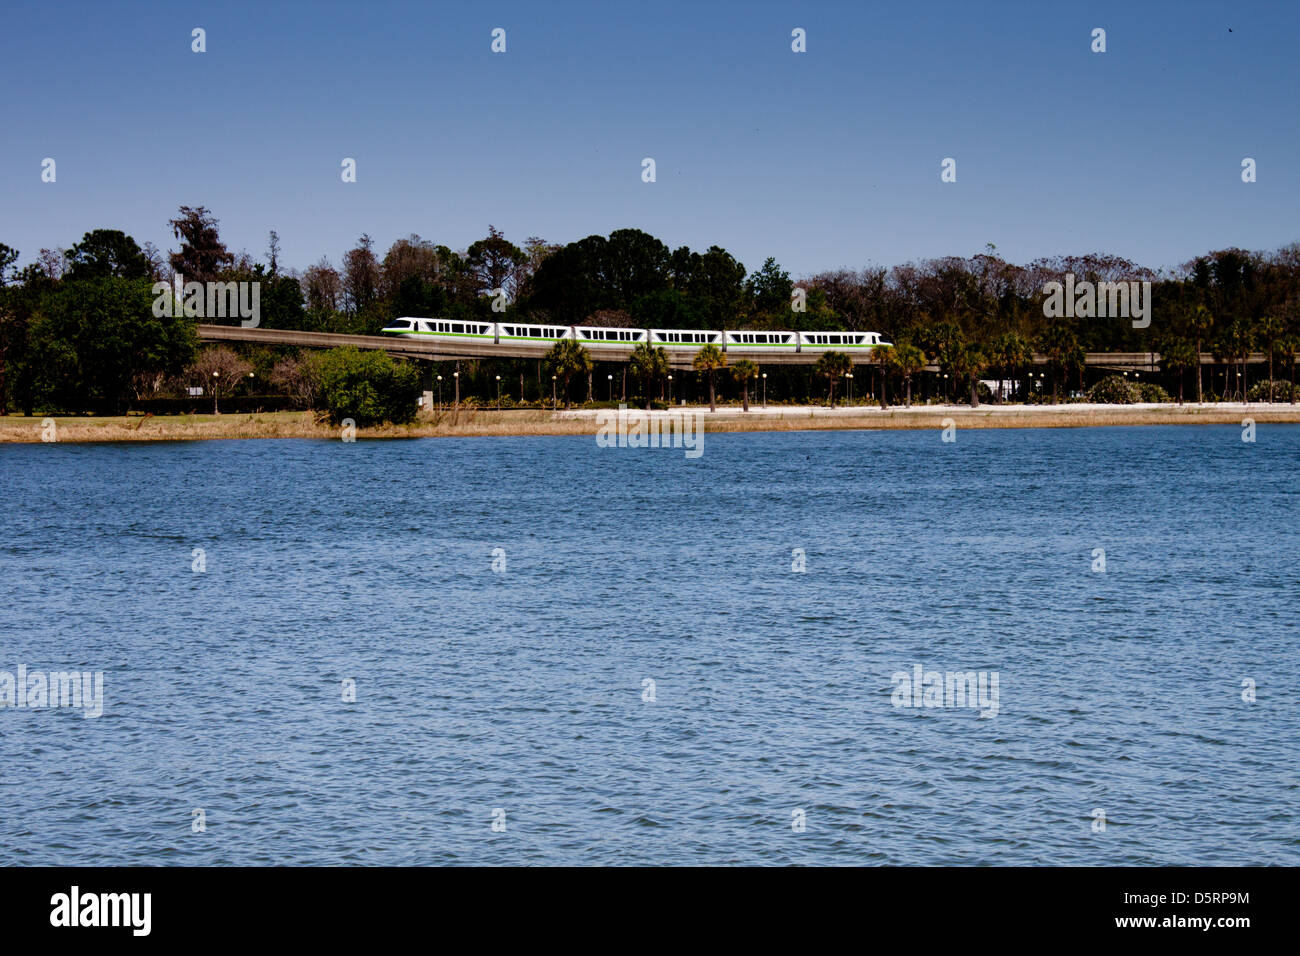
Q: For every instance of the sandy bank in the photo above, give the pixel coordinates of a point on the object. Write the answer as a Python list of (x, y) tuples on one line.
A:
[(16, 428)]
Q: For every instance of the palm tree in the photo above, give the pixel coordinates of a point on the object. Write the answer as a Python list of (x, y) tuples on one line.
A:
[(1063, 351), (709, 359), (566, 359), (883, 355), (1232, 342), (907, 360), (967, 366), (1011, 353), (1199, 326), (1290, 344), (1177, 354), (947, 343), (745, 371), (649, 365), (833, 366), (1270, 330)]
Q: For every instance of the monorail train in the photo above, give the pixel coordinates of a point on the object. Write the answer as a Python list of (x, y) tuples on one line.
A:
[(597, 338)]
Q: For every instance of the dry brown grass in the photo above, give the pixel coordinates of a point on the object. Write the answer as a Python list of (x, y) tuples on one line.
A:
[(468, 423)]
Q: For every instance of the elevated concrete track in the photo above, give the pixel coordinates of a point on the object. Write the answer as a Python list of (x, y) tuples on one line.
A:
[(442, 351)]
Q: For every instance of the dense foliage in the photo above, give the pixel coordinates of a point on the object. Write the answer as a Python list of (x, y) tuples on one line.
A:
[(90, 344), (366, 387), (1114, 390)]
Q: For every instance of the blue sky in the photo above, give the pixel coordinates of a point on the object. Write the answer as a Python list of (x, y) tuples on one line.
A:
[(823, 159)]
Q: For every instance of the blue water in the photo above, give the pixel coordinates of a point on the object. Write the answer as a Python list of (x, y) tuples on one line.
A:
[(522, 691)]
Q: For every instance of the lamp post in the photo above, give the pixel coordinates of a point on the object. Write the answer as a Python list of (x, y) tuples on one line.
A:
[(945, 388), (554, 404), (498, 393), (439, 393), (670, 390), (611, 389), (456, 379), (216, 380), (849, 376), (765, 390)]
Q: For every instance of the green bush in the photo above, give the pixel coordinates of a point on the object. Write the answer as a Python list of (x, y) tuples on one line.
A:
[(367, 387), (1151, 392), (1114, 390), (1281, 392)]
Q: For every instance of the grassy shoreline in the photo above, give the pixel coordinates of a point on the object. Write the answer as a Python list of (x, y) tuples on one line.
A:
[(17, 429)]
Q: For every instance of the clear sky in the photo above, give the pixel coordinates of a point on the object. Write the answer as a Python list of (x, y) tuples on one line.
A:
[(821, 159)]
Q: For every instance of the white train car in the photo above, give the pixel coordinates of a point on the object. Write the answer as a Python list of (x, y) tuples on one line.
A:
[(413, 328), (541, 334), (765, 341), (684, 340), (839, 341), (597, 337)]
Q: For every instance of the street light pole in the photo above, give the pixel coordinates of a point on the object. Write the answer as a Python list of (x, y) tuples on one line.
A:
[(849, 376), (216, 379), (456, 378), (439, 393), (670, 391), (498, 393), (554, 405), (765, 390), (611, 389)]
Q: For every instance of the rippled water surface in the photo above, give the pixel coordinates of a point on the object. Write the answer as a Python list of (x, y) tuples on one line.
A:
[(523, 691)]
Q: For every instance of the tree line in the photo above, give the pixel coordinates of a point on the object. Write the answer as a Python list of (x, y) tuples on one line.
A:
[(77, 332)]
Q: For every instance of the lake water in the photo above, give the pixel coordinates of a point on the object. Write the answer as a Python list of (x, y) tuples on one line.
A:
[(772, 736)]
